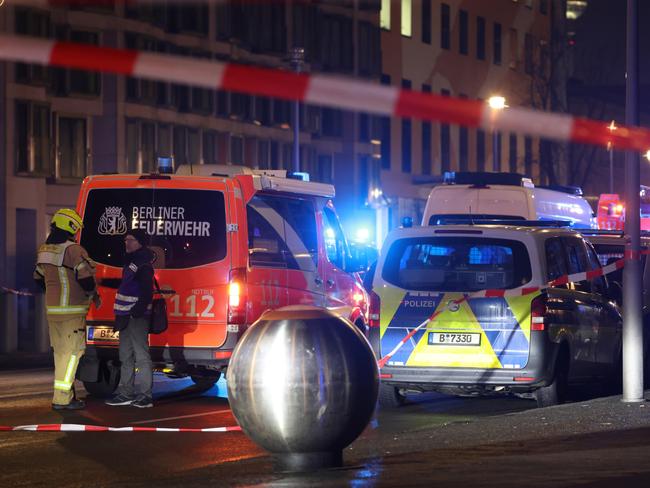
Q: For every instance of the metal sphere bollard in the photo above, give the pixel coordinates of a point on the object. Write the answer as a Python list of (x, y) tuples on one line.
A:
[(302, 383)]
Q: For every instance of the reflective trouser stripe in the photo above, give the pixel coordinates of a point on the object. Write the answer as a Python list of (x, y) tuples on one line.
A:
[(65, 291), (68, 380), (67, 310)]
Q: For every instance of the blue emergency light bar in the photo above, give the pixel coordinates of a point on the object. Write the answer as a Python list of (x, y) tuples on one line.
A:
[(485, 178)]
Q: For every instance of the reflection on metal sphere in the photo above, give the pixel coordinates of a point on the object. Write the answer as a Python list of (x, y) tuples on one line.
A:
[(302, 383)]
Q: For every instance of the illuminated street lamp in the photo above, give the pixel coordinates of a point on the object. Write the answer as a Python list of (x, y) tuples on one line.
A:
[(496, 103), (610, 147), (647, 155)]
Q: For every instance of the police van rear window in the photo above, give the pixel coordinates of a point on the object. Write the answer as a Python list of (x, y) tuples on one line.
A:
[(187, 227), (457, 264)]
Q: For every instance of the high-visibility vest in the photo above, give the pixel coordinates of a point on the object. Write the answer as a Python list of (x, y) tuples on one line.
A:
[(61, 265)]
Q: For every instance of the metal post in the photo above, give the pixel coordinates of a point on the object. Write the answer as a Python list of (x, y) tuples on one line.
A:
[(632, 284), (297, 58), (611, 169)]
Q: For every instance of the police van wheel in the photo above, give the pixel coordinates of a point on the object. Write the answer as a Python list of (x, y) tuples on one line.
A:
[(205, 381), (390, 396), (556, 392), (109, 378)]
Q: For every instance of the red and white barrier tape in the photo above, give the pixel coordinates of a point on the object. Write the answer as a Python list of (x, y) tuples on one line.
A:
[(101, 428), (11, 291), (340, 92), (515, 292)]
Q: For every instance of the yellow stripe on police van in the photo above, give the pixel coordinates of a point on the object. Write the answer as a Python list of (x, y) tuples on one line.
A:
[(391, 298), (520, 307), (463, 320)]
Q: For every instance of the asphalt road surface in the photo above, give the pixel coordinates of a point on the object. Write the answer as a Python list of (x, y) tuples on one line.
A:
[(435, 440)]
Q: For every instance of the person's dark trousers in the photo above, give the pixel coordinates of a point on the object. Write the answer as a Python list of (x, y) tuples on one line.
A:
[(134, 353)]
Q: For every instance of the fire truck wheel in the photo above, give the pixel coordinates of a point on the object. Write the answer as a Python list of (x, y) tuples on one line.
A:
[(109, 378), (206, 380)]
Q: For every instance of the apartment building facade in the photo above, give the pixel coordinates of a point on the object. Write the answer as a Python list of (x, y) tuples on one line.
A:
[(60, 125), (463, 48)]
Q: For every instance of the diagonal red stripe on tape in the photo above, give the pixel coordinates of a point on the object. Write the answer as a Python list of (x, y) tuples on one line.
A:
[(494, 293), (428, 106), (267, 82), (594, 273), (597, 132), (48, 428), (528, 291), (106, 59), (95, 428)]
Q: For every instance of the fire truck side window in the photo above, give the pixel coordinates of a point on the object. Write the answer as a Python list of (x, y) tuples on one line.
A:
[(266, 246), (282, 232), (335, 244)]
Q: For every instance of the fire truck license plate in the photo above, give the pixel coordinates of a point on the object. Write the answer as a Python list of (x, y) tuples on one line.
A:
[(102, 334), (454, 339)]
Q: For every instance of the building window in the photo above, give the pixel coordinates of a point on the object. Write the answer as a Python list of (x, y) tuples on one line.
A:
[(445, 142), (463, 148), (332, 122), (480, 38), (384, 16), (385, 133), (426, 21), (370, 47), (426, 148), (236, 149), (210, 147), (480, 150), (193, 146), (363, 187), (407, 127), (512, 157), (406, 145), (148, 147), (514, 61), (180, 145), (72, 147), (426, 140), (364, 127), (35, 24), (528, 54), (32, 139), (543, 7), (263, 156), (407, 20), (325, 168), (528, 156), (496, 40), (463, 31), (445, 26), (164, 141)]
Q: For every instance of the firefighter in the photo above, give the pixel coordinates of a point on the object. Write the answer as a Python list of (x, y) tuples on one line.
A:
[(67, 274)]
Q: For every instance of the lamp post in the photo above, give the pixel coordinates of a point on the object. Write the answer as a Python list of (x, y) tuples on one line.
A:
[(496, 103), (297, 56), (610, 148)]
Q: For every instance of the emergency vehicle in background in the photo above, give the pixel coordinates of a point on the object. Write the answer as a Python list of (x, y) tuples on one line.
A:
[(504, 196), (230, 243), (611, 210)]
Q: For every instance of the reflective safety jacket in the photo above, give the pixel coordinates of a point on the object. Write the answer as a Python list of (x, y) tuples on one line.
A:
[(134, 295), (62, 267)]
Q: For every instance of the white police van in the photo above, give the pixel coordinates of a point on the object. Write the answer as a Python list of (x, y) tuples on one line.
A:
[(491, 323), (504, 196)]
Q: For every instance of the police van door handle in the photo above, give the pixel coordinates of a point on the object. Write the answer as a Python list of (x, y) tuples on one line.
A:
[(330, 282), (318, 280)]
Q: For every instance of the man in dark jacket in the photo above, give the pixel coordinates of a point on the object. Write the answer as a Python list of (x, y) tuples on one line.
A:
[(132, 315)]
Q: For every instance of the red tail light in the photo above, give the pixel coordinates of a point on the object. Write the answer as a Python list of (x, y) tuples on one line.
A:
[(237, 296), (373, 312), (538, 313)]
